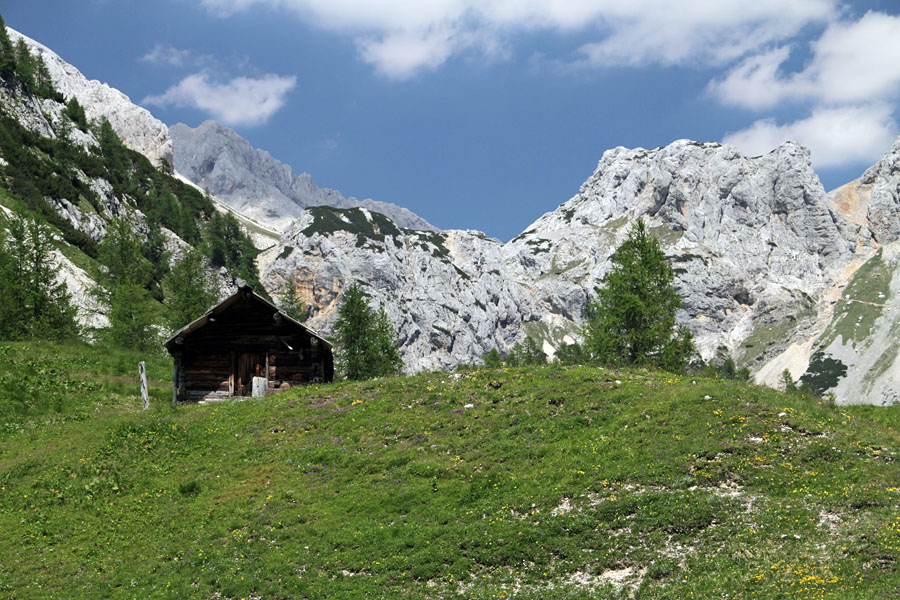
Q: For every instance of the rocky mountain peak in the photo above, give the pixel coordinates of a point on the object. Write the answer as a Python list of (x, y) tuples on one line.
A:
[(253, 182), (137, 128)]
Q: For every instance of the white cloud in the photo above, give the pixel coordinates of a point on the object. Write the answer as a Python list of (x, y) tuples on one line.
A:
[(241, 101), (402, 56), (714, 33), (835, 136), (401, 38), (849, 85), (755, 83), (163, 54), (852, 62)]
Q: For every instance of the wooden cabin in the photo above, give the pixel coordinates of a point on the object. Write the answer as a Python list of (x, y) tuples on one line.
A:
[(243, 338)]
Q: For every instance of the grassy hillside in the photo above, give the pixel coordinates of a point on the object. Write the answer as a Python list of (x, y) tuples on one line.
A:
[(545, 483)]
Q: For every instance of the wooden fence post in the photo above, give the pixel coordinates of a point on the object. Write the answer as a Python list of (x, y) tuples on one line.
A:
[(145, 399)]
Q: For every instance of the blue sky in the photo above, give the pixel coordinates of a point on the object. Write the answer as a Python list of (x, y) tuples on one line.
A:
[(484, 114)]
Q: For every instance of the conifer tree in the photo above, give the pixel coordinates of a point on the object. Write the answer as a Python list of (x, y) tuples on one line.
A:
[(33, 305), (526, 355), (111, 147), (75, 112), (123, 289), (7, 53), (24, 65), (190, 290), (493, 360), (384, 352), (366, 342), (291, 303), (43, 82), (632, 319), (571, 354), (226, 245)]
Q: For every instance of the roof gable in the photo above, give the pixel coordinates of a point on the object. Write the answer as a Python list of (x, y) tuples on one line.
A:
[(243, 293)]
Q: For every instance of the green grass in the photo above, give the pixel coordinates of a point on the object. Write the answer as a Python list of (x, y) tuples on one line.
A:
[(771, 335), (860, 306), (555, 483), (42, 382)]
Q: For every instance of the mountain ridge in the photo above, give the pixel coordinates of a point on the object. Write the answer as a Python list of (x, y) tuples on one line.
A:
[(252, 181), (774, 271), (136, 126)]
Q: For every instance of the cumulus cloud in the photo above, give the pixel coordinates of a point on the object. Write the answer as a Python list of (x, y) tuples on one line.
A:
[(710, 33), (847, 87), (401, 38), (241, 101), (851, 62), (835, 136)]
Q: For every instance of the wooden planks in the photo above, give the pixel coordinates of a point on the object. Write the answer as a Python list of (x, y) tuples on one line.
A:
[(221, 357)]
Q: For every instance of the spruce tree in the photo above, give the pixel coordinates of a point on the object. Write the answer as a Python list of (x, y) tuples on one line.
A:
[(632, 319)]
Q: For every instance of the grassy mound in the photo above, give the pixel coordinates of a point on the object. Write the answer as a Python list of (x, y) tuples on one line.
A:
[(543, 483)]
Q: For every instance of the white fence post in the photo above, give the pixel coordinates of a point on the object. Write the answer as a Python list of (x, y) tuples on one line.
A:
[(145, 398)]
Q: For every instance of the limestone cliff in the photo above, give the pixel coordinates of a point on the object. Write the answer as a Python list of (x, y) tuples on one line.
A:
[(760, 251), (138, 129)]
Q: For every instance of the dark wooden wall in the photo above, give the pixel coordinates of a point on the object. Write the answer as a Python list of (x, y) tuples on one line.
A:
[(210, 357)]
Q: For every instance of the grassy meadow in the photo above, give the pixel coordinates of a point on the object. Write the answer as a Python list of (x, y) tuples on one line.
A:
[(548, 482)]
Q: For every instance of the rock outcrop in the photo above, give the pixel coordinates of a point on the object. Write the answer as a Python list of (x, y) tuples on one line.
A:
[(447, 292), (138, 129), (253, 182), (754, 241), (759, 250)]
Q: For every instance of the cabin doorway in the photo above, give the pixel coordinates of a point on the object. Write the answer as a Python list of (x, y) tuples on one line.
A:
[(247, 365)]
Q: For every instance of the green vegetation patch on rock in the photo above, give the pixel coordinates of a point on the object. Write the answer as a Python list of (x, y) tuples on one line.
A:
[(861, 304), (438, 249), (328, 220), (666, 235), (774, 327)]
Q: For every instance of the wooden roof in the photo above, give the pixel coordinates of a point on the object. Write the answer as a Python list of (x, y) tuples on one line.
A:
[(244, 292)]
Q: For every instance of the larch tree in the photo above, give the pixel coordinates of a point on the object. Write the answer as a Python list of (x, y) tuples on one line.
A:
[(291, 303), (189, 290), (123, 289), (366, 343), (34, 304), (7, 53), (632, 319)]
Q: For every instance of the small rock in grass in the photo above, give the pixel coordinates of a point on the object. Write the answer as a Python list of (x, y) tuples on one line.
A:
[(469, 406)]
